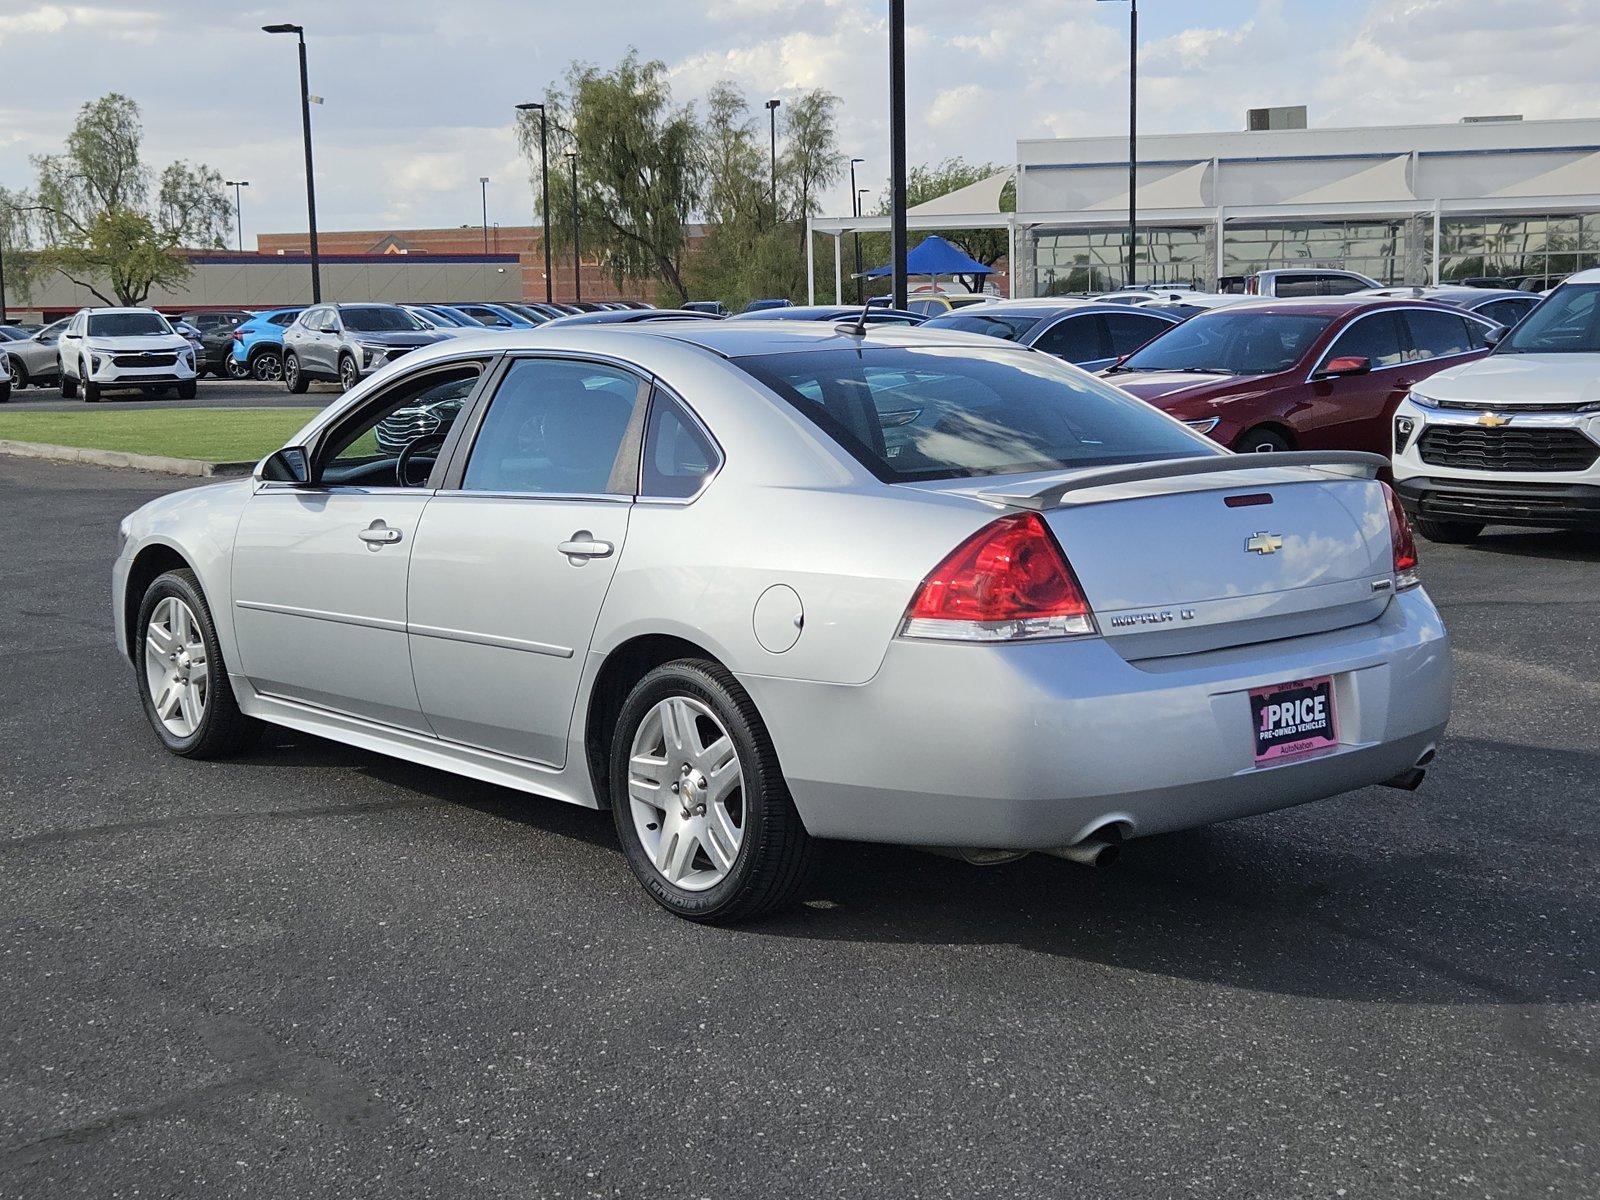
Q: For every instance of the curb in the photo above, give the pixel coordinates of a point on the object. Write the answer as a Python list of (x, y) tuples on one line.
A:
[(120, 458)]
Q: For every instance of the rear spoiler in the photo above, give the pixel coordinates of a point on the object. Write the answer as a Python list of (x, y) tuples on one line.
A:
[(1353, 464)]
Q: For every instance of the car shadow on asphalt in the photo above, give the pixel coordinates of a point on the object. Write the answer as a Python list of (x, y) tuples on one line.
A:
[(1560, 545), (1489, 902)]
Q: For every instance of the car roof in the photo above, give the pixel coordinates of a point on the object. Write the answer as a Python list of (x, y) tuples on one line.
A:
[(1329, 306), (1592, 275), (739, 339), (95, 312), (1044, 306)]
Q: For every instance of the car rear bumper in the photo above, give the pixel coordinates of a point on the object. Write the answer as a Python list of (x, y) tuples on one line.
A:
[(1036, 746), (1498, 502)]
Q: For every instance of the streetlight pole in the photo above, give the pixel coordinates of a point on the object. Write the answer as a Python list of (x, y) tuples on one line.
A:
[(1133, 136), (544, 202), (897, 149), (577, 258), (305, 127), (483, 186), (855, 208), (772, 121), (238, 208)]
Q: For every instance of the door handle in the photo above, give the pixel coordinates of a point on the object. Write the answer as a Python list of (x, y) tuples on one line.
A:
[(583, 545), (378, 534)]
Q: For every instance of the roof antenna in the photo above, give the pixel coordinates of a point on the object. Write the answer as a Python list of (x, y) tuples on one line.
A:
[(860, 327)]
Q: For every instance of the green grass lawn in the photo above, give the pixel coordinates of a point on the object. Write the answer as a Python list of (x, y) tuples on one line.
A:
[(208, 434)]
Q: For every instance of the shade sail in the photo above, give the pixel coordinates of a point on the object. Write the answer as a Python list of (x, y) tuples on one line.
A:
[(935, 256)]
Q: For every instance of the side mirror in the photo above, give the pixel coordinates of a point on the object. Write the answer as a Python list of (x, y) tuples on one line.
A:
[(1337, 368), (289, 465), (1495, 336)]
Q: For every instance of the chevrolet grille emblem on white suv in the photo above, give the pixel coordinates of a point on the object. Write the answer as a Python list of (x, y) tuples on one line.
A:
[(1263, 543), (1491, 420)]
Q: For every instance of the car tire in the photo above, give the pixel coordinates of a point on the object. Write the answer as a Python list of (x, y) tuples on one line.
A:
[(5, 390), (349, 373), (267, 367), (232, 368), (69, 386), (735, 856), (1261, 440), (19, 374), (91, 389), (189, 390), (293, 377), (202, 720), (1447, 533)]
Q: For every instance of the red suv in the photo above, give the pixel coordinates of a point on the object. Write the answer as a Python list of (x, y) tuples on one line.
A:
[(1323, 374)]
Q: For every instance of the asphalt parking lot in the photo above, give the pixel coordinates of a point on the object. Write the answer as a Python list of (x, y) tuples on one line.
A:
[(317, 972), (212, 393)]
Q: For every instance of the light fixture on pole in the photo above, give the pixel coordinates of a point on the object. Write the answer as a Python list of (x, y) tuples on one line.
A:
[(544, 201), (897, 150), (855, 209), (305, 127), (772, 121), (1133, 134), (483, 186), (577, 257), (238, 209)]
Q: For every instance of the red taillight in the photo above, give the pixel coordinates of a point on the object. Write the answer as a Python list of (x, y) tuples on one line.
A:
[(1009, 581), (1405, 543), (237, 336)]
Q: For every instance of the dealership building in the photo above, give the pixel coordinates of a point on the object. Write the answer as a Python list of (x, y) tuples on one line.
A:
[(1498, 197)]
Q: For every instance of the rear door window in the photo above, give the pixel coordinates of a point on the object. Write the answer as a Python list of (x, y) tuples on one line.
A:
[(1379, 338), (1437, 334), (1126, 332), (1339, 285), (557, 427), (1078, 339), (1289, 286)]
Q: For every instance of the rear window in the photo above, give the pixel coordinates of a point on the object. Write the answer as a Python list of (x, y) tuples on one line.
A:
[(913, 413), (1232, 342), (1010, 327)]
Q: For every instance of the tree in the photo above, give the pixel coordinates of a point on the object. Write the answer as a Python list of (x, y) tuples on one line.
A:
[(92, 220), (638, 168)]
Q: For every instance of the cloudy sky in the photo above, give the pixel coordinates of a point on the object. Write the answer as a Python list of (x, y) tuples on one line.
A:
[(420, 92)]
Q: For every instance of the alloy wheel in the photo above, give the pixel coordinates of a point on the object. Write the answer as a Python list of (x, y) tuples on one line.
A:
[(175, 667), (235, 369), (686, 792), (348, 375), (267, 368)]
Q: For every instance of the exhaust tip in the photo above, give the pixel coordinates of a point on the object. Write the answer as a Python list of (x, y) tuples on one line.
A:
[(1108, 854), (1407, 781), (1427, 756)]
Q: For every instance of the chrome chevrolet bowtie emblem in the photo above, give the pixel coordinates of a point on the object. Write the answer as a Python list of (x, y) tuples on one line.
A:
[(1493, 420), (1263, 543)]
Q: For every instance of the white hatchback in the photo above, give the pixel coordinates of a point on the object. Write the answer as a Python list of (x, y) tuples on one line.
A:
[(1512, 438)]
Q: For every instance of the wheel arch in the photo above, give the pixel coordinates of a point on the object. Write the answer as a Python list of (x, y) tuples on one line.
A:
[(152, 561), (624, 665), (1274, 426)]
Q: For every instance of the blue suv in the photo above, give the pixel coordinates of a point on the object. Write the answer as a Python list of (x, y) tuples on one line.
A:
[(258, 343)]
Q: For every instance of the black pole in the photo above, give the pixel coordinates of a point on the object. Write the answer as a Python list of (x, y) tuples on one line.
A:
[(772, 122), (544, 212), (238, 208), (311, 189), (855, 209), (3, 272), (897, 148), (483, 186), (1133, 135), (577, 258)]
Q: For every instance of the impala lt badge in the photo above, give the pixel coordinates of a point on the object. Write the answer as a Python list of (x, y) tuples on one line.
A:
[(1263, 543)]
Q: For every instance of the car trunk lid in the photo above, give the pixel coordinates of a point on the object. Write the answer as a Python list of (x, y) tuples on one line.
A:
[(1199, 554)]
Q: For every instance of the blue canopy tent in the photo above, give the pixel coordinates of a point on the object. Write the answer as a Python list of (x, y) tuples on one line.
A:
[(934, 256)]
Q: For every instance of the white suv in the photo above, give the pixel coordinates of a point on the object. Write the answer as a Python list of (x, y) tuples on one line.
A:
[(104, 348), (1512, 438)]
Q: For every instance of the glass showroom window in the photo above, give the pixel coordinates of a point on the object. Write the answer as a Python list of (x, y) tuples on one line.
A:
[(1538, 249), (1375, 248), (1095, 260)]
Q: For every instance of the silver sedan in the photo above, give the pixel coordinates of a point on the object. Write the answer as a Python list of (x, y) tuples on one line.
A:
[(754, 584)]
